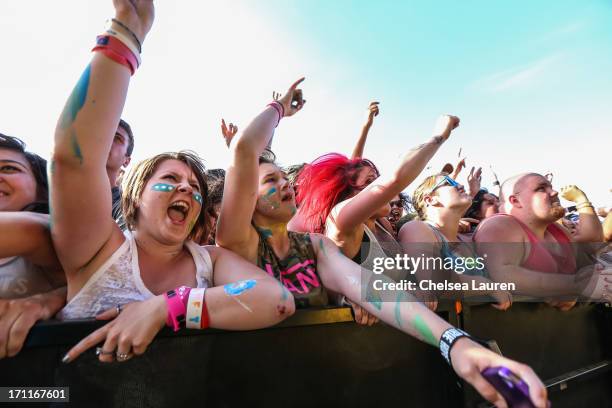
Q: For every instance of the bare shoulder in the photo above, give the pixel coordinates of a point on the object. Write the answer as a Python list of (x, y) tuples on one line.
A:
[(416, 231), (499, 229)]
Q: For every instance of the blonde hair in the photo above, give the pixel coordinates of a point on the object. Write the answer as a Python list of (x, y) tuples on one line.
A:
[(134, 181), (424, 189)]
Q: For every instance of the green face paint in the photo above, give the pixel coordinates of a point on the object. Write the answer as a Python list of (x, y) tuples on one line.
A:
[(293, 211), (398, 312), (166, 188), (424, 331), (266, 233)]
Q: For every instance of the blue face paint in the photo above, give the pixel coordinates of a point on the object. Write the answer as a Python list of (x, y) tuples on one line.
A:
[(235, 289), (272, 191), (163, 187), (198, 197)]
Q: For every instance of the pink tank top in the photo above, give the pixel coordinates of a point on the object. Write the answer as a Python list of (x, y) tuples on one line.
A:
[(540, 258)]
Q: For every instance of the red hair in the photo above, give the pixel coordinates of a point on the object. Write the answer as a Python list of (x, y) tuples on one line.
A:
[(324, 183)]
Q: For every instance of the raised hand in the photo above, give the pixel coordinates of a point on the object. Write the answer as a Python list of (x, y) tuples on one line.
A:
[(373, 110), (276, 95), (228, 132), (445, 125), (138, 15), (474, 179), (573, 194), (292, 101)]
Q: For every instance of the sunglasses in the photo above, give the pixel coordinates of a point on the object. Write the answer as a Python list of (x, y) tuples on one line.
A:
[(446, 181)]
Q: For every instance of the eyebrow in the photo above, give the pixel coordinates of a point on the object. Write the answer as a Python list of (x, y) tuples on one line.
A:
[(272, 173), (13, 161)]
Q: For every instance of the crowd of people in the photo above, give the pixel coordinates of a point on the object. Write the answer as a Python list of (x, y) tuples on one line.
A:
[(167, 242)]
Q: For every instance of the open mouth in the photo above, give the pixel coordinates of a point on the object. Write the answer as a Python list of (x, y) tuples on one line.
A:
[(288, 196), (178, 211)]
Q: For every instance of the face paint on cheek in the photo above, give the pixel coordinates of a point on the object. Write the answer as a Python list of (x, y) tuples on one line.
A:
[(293, 211), (271, 191), (198, 197), (166, 188)]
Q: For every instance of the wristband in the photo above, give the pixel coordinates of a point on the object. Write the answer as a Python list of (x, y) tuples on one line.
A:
[(584, 204), (571, 208), (278, 107), (194, 308), (205, 318), (176, 310), (127, 42), (448, 340), (117, 51), (126, 28)]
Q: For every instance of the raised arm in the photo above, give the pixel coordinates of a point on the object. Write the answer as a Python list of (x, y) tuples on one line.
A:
[(234, 230), (358, 209), (340, 274), (590, 229), (80, 194), (358, 149)]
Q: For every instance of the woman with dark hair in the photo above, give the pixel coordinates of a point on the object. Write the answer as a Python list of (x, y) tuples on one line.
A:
[(29, 269), (258, 202), (23, 178)]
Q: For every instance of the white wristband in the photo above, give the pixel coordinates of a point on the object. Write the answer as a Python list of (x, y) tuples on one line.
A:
[(194, 308)]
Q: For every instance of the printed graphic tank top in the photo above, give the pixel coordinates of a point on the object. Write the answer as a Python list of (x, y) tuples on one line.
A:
[(297, 271)]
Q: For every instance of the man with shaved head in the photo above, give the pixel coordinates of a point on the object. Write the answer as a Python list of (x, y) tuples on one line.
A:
[(524, 243)]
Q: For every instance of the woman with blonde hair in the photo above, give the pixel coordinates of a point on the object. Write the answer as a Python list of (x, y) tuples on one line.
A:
[(154, 272)]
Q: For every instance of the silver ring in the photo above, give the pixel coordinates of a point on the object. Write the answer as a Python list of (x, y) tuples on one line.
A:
[(101, 352), (123, 356), (118, 308)]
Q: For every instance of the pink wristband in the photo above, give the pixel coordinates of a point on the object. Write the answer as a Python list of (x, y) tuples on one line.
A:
[(117, 51), (278, 107), (176, 310)]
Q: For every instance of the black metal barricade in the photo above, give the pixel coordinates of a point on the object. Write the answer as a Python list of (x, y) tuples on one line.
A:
[(317, 358)]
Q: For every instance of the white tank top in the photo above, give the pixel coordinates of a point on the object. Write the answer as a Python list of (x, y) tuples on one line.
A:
[(118, 281), (19, 278)]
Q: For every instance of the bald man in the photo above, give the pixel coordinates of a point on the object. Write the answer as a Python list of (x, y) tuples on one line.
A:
[(525, 245)]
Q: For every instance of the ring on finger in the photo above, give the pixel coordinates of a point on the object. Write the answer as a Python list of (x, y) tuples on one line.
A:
[(124, 356), (101, 352)]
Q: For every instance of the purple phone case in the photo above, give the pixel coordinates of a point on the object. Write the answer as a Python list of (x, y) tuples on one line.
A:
[(514, 390)]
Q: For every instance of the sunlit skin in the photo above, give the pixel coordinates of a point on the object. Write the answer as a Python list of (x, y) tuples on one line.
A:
[(275, 197), (366, 176), (534, 200), (153, 207), (17, 182)]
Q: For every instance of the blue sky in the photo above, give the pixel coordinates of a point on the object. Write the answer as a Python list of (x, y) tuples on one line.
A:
[(530, 80)]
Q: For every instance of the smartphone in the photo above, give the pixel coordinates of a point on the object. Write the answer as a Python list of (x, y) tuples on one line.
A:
[(514, 390)]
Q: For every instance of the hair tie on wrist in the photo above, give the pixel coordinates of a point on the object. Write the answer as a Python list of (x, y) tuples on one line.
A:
[(126, 28)]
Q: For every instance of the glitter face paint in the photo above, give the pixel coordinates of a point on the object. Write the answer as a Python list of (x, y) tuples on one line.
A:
[(166, 188)]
